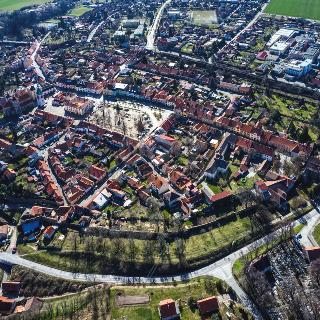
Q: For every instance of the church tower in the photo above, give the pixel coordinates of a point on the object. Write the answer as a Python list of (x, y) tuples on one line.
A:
[(39, 96)]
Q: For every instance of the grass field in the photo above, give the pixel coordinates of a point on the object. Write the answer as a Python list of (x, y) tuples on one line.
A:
[(316, 233), (79, 11), (309, 9), (11, 5)]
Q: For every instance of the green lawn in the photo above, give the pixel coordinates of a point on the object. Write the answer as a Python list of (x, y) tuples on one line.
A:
[(10, 5), (113, 164), (196, 247), (188, 48), (244, 183), (79, 11), (217, 238), (289, 110), (183, 161), (309, 9), (214, 188), (316, 233), (200, 288)]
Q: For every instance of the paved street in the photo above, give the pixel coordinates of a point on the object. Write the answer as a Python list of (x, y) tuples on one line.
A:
[(33, 57), (307, 238), (153, 29), (251, 23), (94, 31)]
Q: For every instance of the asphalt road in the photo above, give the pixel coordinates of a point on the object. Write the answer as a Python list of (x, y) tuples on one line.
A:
[(252, 22), (33, 56), (93, 32), (153, 30), (307, 238)]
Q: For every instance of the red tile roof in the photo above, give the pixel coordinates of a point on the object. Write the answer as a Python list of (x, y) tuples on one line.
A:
[(208, 305), (220, 196), (313, 253), (167, 308)]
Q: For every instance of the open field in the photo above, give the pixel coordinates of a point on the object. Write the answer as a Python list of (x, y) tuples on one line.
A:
[(309, 9), (79, 11), (203, 17), (11, 5)]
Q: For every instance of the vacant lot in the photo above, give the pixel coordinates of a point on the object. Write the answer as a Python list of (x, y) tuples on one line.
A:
[(203, 17), (10, 5), (309, 9)]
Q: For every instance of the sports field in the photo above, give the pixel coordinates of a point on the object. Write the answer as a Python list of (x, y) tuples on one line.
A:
[(203, 17), (11, 5), (309, 9)]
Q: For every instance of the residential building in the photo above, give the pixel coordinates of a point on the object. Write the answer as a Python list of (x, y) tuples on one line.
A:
[(208, 306), (168, 310)]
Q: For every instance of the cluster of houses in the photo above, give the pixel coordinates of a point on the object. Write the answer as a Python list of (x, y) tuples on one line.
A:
[(174, 70), (130, 32), (149, 175), (288, 50), (43, 222), (188, 100), (201, 141), (47, 129), (169, 308), (10, 300), (80, 162), (173, 162), (189, 30), (22, 100)]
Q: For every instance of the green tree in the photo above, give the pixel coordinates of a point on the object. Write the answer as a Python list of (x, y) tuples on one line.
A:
[(304, 136)]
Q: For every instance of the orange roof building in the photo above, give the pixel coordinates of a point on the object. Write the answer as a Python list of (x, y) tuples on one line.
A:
[(168, 310), (208, 306)]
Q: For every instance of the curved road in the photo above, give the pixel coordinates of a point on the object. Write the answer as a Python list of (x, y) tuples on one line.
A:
[(221, 269)]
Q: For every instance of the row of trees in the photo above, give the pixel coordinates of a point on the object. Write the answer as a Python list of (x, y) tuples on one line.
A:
[(98, 255), (95, 304)]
